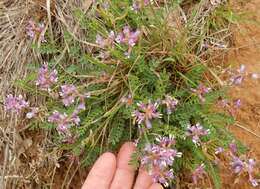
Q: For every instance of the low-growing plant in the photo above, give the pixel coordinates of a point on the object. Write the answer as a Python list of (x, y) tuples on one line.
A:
[(142, 74)]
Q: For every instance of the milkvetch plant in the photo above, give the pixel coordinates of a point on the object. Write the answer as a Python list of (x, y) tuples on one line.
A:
[(137, 77)]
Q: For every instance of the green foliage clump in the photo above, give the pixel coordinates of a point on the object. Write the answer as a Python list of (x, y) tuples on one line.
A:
[(170, 58)]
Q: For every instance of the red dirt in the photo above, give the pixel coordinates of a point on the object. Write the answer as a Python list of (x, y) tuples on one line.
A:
[(247, 52), (249, 93)]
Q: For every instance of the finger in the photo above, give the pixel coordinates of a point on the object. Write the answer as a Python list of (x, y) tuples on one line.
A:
[(124, 175), (143, 180), (102, 172), (156, 186)]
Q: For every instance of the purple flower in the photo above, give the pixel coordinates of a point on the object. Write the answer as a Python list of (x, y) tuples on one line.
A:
[(201, 91), (233, 148), (254, 182), (61, 119), (162, 176), (238, 77), (128, 37), (145, 113), (237, 103), (33, 29), (137, 5), (198, 173), (166, 141), (240, 166), (15, 104), (219, 150), (32, 113), (230, 106), (46, 78), (170, 103), (158, 159), (169, 155), (237, 165), (195, 132), (68, 93)]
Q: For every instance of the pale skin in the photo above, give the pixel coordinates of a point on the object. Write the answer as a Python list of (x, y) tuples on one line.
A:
[(111, 172)]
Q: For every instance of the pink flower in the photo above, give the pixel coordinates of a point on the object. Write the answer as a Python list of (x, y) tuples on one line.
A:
[(233, 148), (158, 159), (238, 77), (15, 104), (145, 113), (237, 165), (32, 113), (230, 106), (201, 91), (33, 29), (219, 150), (63, 121), (68, 93), (128, 37), (195, 132), (137, 5), (170, 103), (46, 78)]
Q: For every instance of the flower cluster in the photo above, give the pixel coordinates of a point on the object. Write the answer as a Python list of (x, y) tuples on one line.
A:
[(239, 75), (201, 91), (241, 165), (158, 158), (18, 105), (46, 78), (68, 93), (128, 37), (198, 173), (195, 132), (15, 103), (137, 5), (34, 29), (146, 112), (63, 121), (170, 103), (230, 106)]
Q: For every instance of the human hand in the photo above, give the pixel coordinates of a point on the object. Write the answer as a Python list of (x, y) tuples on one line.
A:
[(111, 172)]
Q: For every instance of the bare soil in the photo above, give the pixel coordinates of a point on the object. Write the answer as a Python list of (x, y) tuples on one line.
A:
[(247, 52)]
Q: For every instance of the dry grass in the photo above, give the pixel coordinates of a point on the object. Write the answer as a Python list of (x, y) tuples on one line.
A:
[(26, 159)]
